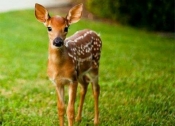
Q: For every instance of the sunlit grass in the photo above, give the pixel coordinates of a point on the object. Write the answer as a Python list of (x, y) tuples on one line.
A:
[(136, 75)]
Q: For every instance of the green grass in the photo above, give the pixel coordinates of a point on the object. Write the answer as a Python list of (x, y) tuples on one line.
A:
[(136, 75)]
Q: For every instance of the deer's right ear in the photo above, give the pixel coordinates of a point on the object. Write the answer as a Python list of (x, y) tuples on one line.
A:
[(41, 13)]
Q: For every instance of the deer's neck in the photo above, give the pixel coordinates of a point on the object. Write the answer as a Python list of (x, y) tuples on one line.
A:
[(59, 63), (56, 55)]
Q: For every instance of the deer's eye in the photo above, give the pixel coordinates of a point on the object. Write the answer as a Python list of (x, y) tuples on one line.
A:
[(66, 29), (49, 28)]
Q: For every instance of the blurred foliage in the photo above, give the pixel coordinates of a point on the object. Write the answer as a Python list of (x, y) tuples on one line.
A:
[(150, 14)]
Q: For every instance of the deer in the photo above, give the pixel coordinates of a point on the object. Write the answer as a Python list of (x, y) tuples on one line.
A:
[(71, 61)]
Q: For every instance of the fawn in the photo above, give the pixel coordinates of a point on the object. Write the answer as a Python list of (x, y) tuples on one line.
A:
[(71, 60)]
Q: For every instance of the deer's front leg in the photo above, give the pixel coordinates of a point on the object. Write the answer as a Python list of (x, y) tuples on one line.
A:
[(71, 102), (60, 104)]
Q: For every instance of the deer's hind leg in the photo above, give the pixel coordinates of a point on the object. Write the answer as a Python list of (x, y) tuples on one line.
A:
[(96, 92), (84, 81)]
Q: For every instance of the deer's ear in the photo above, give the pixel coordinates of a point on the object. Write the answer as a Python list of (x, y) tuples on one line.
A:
[(41, 13), (74, 14)]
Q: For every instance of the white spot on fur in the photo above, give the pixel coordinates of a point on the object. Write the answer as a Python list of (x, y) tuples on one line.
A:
[(85, 59), (68, 42), (70, 55)]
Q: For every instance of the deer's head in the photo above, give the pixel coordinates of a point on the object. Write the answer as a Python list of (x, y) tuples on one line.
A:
[(57, 26)]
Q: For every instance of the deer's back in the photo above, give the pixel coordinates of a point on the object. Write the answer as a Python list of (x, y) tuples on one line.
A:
[(84, 48)]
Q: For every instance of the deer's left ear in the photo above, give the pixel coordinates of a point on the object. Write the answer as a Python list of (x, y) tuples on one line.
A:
[(74, 14), (41, 13)]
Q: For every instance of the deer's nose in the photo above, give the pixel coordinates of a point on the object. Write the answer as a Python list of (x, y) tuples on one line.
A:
[(58, 42)]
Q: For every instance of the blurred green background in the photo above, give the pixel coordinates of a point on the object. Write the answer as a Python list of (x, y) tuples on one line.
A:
[(149, 14)]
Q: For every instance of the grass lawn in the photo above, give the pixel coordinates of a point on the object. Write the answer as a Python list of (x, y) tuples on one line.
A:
[(137, 75)]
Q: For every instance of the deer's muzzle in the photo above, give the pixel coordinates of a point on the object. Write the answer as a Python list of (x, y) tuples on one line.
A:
[(58, 42)]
